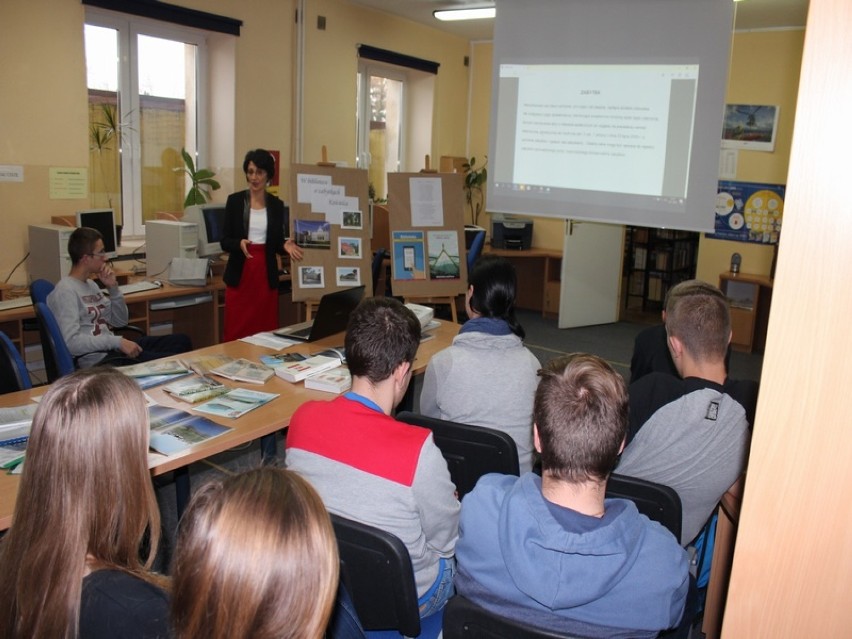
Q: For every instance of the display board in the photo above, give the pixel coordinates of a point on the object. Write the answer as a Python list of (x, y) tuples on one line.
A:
[(428, 257), (329, 221)]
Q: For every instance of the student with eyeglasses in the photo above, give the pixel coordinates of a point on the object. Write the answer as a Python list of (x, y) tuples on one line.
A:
[(84, 313), (256, 225)]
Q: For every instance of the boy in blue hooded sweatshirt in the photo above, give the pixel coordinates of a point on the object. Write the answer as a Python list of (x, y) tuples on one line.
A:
[(552, 552)]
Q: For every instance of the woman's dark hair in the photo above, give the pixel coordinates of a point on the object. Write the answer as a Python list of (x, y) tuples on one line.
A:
[(494, 283), (263, 160)]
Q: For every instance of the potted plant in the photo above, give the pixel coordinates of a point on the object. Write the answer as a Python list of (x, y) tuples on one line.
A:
[(474, 180), (103, 131), (202, 181)]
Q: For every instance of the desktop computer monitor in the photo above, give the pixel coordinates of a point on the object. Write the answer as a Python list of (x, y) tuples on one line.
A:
[(102, 220), (210, 219)]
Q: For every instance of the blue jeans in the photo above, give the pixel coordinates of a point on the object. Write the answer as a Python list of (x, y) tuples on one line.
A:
[(439, 593)]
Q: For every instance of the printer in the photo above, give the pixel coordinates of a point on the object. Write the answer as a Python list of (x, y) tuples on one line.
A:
[(509, 232)]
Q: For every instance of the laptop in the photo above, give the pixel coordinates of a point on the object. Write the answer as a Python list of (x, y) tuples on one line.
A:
[(332, 316)]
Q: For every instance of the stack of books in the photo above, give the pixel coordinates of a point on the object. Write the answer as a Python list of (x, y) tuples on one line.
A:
[(297, 371)]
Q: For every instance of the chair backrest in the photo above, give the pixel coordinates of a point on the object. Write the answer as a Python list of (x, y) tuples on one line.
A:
[(39, 290), (470, 451), (463, 619), (475, 249), (57, 358), (655, 501), (376, 570), (13, 371)]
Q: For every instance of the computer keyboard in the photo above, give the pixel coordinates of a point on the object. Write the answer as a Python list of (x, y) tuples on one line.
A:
[(15, 302), (138, 287)]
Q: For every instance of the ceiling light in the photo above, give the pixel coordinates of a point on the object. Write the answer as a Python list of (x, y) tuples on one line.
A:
[(464, 14)]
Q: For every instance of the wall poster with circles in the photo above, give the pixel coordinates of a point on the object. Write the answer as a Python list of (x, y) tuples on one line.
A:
[(749, 212)]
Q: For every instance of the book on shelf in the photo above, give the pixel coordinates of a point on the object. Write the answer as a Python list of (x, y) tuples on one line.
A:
[(174, 430), (155, 367), (196, 389), (297, 371), (236, 403), (337, 380), (244, 370)]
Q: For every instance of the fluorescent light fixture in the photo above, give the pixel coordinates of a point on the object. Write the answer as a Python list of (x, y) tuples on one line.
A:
[(464, 14)]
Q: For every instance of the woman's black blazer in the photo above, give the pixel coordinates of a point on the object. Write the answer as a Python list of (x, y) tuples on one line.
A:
[(236, 229)]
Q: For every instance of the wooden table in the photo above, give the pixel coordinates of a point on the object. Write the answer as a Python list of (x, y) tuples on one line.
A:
[(260, 422), (539, 277)]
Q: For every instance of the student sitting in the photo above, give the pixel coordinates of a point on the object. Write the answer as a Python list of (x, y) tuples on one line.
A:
[(692, 432), (256, 558), (74, 563), (369, 467), (85, 314), (487, 377), (551, 551)]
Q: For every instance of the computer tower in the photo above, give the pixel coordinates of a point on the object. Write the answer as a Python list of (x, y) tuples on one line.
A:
[(49, 259), (166, 239)]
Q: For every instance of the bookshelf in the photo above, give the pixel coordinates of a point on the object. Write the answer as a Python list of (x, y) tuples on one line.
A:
[(656, 260)]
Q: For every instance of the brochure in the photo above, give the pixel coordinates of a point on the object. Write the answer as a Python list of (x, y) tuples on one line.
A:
[(174, 430), (155, 367), (155, 380), (274, 361), (297, 371), (203, 364), (236, 403), (196, 389)]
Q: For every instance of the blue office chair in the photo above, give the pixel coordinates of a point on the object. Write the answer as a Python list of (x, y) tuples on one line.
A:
[(39, 290), (58, 360), (13, 372), (475, 250)]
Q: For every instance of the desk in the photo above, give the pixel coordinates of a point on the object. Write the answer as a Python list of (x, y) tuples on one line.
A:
[(260, 422), (539, 278)]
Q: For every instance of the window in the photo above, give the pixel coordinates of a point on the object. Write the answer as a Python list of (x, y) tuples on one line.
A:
[(394, 117), (144, 106)]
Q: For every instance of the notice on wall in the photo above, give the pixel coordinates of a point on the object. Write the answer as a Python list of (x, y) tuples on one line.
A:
[(11, 173), (68, 183)]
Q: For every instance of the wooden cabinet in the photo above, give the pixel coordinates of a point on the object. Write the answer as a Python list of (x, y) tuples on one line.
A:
[(539, 278), (750, 297)]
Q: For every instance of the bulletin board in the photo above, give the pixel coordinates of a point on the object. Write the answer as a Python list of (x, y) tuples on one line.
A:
[(428, 257), (329, 220)]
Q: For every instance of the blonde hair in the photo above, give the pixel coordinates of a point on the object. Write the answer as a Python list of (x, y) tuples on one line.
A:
[(85, 501), (256, 557)]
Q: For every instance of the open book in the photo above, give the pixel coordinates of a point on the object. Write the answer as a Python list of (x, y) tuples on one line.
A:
[(174, 430)]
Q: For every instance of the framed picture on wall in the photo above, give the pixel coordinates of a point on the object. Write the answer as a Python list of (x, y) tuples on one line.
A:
[(750, 126)]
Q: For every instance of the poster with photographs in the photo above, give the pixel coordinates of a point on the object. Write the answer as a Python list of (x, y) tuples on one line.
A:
[(331, 221), (348, 276), (311, 277)]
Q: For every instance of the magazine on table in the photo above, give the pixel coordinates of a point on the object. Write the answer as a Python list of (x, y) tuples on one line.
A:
[(279, 359), (243, 370), (337, 380), (174, 430), (150, 381), (297, 371), (196, 389), (269, 340), (236, 403)]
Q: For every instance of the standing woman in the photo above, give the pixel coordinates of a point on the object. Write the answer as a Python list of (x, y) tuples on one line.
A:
[(256, 223), (86, 525)]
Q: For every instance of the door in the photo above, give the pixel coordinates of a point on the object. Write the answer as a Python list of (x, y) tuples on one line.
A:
[(591, 274)]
